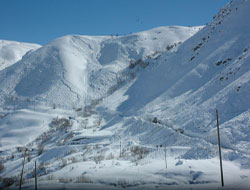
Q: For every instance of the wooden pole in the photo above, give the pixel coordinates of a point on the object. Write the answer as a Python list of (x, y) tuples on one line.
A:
[(21, 178), (218, 130), (35, 177)]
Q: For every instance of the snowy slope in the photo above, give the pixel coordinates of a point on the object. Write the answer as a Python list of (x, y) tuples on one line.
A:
[(11, 52), (209, 71), (76, 69), (135, 111)]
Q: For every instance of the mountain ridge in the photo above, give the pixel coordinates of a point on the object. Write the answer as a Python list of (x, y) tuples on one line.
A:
[(73, 58)]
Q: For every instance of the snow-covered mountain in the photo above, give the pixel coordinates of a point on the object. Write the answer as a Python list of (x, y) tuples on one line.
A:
[(73, 70), (115, 110), (11, 52)]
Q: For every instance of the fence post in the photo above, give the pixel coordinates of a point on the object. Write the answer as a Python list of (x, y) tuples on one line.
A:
[(218, 130)]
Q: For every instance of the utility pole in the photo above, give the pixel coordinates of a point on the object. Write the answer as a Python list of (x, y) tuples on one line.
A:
[(218, 130), (35, 177), (120, 148), (165, 151), (21, 178)]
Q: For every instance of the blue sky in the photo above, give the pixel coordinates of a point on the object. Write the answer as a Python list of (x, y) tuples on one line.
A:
[(40, 21)]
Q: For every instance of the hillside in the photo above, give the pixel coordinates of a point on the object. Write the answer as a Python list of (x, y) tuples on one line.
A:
[(76, 69), (11, 52), (135, 111)]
